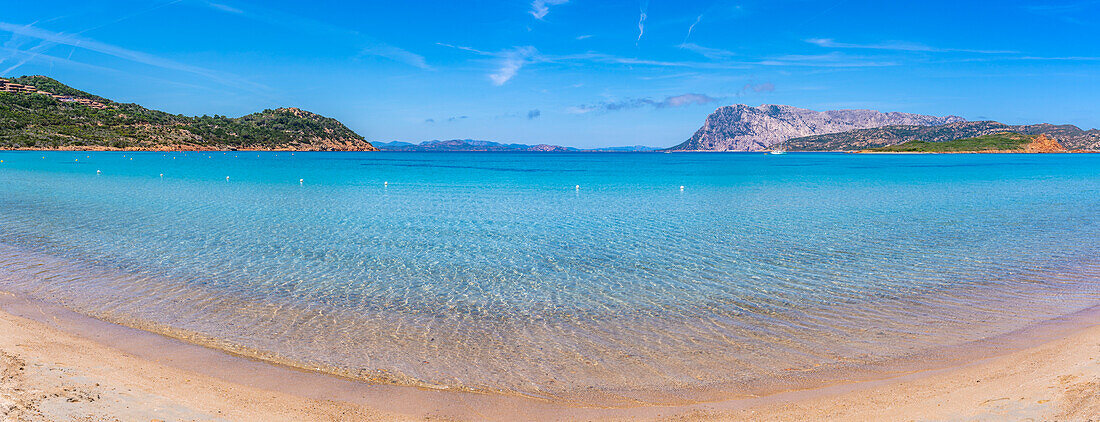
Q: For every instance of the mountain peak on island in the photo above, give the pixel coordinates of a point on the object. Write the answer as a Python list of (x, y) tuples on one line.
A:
[(742, 127)]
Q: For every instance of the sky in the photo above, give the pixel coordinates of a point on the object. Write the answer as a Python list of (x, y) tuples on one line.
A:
[(583, 73)]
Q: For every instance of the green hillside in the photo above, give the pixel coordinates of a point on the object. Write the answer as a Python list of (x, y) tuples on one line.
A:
[(995, 142), (37, 121)]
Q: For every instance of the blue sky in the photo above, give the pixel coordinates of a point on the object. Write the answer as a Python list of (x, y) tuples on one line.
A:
[(578, 72)]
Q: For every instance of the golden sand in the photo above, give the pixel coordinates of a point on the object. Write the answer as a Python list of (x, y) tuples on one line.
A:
[(56, 365)]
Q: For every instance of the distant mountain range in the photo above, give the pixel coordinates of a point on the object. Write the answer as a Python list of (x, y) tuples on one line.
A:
[(38, 112), (745, 128), (470, 145)]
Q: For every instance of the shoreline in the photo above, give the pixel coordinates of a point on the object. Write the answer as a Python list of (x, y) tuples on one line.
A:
[(196, 382)]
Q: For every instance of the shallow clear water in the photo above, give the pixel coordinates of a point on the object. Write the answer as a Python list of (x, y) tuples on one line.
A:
[(492, 271)]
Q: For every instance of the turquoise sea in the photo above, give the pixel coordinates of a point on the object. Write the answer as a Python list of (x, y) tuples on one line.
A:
[(584, 277)]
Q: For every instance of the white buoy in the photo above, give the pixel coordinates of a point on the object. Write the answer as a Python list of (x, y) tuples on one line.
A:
[(162, 175), (226, 178), (97, 172), (681, 188), (300, 181), (578, 187)]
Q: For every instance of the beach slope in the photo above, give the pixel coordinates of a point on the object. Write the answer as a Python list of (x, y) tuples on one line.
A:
[(49, 374)]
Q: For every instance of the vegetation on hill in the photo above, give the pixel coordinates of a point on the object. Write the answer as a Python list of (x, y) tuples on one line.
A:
[(995, 142), (1070, 136), (33, 121)]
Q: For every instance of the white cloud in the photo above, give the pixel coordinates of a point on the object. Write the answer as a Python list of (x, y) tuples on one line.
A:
[(899, 46), (510, 63), (708, 52), (224, 7), (691, 29), (539, 8), (108, 49), (382, 49)]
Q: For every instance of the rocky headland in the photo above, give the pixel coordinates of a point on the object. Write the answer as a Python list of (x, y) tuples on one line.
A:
[(745, 128)]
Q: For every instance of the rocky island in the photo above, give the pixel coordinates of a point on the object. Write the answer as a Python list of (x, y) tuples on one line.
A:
[(781, 127), (38, 112), (745, 128)]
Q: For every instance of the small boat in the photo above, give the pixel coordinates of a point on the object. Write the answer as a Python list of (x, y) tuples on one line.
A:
[(777, 152)]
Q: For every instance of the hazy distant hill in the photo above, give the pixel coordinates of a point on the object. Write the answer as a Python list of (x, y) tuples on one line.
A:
[(470, 145), (1069, 136), (37, 112), (745, 128)]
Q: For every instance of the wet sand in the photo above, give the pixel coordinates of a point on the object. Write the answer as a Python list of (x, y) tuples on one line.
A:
[(56, 365)]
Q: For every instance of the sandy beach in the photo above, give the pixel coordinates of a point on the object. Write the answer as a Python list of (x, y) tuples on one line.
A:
[(60, 366)]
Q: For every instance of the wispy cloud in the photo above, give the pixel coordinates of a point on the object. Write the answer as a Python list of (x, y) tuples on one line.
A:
[(899, 46), (641, 22), (119, 52), (691, 29), (756, 88), (35, 53), (833, 59), (507, 62), (366, 45), (1061, 58), (533, 114), (1070, 12), (224, 7), (632, 103), (38, 56), (381, 49), (539, 8), (510, 63), (710, 53), (446, 119), (1072, 6)]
